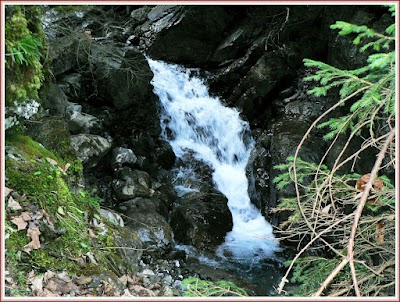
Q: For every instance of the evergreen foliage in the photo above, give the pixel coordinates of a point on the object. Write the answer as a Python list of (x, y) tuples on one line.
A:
[(324, 210)]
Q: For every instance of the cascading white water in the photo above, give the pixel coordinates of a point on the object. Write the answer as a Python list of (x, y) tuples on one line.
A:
[(193, 121)]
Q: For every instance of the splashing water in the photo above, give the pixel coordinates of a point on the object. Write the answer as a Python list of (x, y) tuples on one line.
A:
[(193, 121)]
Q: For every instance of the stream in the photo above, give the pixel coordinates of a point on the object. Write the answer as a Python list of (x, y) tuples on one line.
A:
[(195, 123)]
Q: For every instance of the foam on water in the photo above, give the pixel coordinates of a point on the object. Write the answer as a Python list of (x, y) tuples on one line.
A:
[(193, 121)]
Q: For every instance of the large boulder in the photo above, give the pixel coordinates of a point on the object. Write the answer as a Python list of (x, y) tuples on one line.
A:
[(165, 155), (201, 220), (141, 216), (164, 191), (90, 148), (124, 75), (66, 52)]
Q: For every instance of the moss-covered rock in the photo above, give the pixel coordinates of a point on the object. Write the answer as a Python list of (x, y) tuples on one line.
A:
[(53, 134)]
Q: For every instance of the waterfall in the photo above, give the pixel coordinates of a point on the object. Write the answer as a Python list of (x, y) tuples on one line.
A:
[(193, 121)]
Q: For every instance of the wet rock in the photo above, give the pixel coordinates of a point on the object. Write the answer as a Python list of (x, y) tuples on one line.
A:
[(122, 156), (342, 53), (258, 172), (201, 220), (295, 111), (272, 149), (164, 190), (131, 183), (165, 155), (175, 33), (261, 79), (193, 175), (90, 148), (142, 218), (142, 143)]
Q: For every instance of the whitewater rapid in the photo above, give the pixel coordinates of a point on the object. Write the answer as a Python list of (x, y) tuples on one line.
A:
[(193, 121)]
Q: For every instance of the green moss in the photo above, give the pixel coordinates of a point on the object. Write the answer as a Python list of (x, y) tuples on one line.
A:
[(53, 133), (16, 241), (29, 173), (61, 153), (17, 270), (29, 148), (44, 260), (24, 41)]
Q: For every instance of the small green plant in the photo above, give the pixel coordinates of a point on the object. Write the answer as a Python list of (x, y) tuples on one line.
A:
[(196, 287), (24, 51), (89, 199)]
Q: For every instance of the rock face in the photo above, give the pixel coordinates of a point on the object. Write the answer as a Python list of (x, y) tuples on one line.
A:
[(201, 220), (295, 111), (175, 33), (260, 80), (165, 155)]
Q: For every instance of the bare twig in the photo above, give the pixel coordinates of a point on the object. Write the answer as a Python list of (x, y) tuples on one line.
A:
[(284, 278), (313, 125), (358, 211)]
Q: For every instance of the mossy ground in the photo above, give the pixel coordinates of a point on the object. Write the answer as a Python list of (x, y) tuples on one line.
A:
[(65, 242)]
